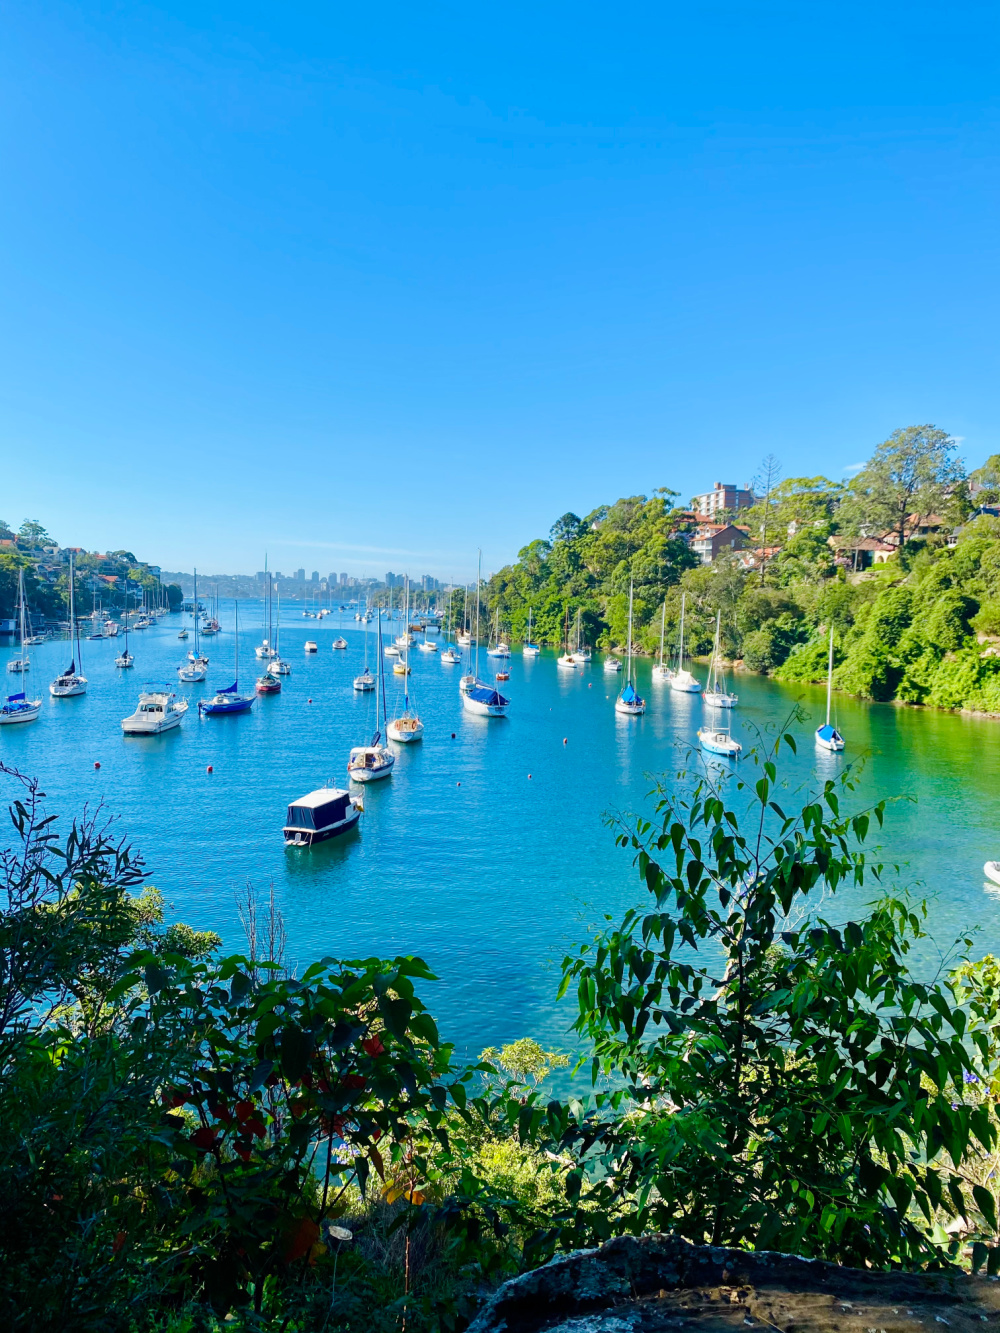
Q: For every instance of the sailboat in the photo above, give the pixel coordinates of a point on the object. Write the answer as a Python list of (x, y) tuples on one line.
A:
[(486, 700), (368, 763), (17, 665), (277, 665), (125, 658), (566, 658), (450, 656), (499, 648), (528, 648), (630, 701), (581, 653), (660, 670), (682, 680), (401, 667), (716, 693), (264, 650), (229, 700), (465, 636), (408, 726), (18, 707), (195, 669), (718, 740), (366, 681), (827, 736), (70, 682)]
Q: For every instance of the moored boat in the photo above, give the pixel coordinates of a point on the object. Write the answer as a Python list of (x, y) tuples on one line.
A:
[(682, 680), (827, 736), (717, 740), (310, 646), (319, 815), (371, 762), (156, 711), (716, 695), (630, 702), (339, 644), (19, 708)]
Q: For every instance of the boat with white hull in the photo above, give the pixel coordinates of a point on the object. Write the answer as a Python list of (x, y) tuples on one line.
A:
[(19, 708), (478, 697), (717, 740), (630, 702), (374, 761), (71, 681), (156, 712), (682, 680), (320, 815), (716, 695), (827, 736)]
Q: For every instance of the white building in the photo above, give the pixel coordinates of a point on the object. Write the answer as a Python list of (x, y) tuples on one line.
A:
[(723, 495)]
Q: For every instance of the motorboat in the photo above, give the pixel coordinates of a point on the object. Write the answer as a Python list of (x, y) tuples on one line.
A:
[(18, 664), (630, 702), (612, 664), (156, 711), (310, 646), (717, 740), (339, 644), (319, 815), (992, 871), (827, 736), (19, 708), (682, 681)]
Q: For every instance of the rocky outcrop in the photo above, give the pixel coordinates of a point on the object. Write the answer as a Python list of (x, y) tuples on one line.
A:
[(659, 1283)]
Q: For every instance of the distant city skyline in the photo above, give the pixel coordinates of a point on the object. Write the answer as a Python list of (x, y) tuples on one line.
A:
[(374, 289)]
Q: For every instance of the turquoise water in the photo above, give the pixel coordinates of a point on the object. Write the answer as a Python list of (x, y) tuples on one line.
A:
[(484, 853)]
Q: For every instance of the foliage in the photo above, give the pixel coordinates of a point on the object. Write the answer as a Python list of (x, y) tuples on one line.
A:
[(912, 472), (779, 1081)]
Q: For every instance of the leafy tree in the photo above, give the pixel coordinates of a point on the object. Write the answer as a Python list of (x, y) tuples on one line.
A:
[(912, 472), (768, 1078), (32, 533)]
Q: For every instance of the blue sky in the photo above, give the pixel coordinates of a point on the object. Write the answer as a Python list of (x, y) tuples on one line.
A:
[(370, 286)]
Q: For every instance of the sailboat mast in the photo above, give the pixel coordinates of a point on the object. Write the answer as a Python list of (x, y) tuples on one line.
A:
[(829, 678), (680, 650), (20, 593), (479, 579), (663, 622), (236, 635), (629, 645), (381, 681), (73, 636)]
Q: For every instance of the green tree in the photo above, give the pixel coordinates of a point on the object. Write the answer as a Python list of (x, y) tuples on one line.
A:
[(913, 472)]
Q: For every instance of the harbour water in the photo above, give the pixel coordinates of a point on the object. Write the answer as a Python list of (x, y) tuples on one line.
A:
[(485, 852)]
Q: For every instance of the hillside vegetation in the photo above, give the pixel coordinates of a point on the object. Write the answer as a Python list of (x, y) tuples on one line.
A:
[(924, 627)]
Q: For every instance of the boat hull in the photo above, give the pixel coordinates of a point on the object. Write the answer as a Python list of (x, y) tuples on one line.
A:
[(835, 744), (77, 686), (369, 774), (405, 735), (684, 683), (215, 710), (992, 871), (364, 683), (12, 716), (719, 699), (630, 710), (140, 728), (484, 710), (720, 743)]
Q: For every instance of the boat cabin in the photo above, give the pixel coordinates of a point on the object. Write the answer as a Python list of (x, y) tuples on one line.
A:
[(321, 814)]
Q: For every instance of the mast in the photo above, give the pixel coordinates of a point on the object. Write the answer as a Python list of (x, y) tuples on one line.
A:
[(829, 677), (20, 592), (236, 635), (196, 652), (381, 683), (277, 630), (479, 579), (714, 682), (680, 648), (663, 621), (629, 645), (74, 634)]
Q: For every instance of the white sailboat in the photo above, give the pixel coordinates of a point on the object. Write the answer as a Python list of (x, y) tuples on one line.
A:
[(718, 740), (827, 736), (581, 652), (612, 664), (478, 697), (20, 664), (18, 707), (716, 694), (277, 665), (630, 702), (450, 656), (660, 669), (369, 763), (529, 648), (366, 681), (195, 669), (682, 680), (499, 647), (566, 658), (124, 660), (401, 667), (265, 650), (71, 681)]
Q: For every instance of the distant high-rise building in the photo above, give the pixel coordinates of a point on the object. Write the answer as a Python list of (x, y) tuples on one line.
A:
[(429, 583), (343, 580), (261, 575), (390, 579), (300, 574), (315, 576)]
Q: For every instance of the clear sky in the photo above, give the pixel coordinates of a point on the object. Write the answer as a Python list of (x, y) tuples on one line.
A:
[(371, 285)]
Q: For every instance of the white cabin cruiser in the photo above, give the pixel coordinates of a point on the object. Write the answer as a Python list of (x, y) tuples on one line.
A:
[(156, 711)]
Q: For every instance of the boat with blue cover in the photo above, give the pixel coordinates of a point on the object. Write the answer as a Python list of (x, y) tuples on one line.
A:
[(477, 696), (630, 702), (827, 736), (19, 708), (229, 700)]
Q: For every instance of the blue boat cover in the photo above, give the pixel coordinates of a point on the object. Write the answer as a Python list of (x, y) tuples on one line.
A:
[(484, 694), (15, 698), (828, 733), (629, 695)]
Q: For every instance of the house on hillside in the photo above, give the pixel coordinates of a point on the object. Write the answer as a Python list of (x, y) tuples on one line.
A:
[(711, 539), (856, 553), (754, 559)]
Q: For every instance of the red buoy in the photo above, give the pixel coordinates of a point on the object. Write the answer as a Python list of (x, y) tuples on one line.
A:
[(529, 777), (565, 742), (209, 769), (97, 765)]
